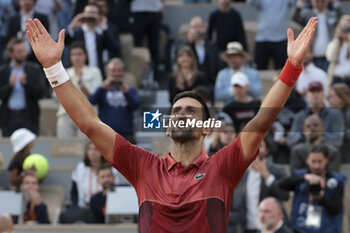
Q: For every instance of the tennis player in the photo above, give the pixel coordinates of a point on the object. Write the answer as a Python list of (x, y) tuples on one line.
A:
[(186, 191)]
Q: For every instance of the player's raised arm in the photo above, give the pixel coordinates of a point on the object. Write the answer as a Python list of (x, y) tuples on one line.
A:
[(49, 53), (256, 129)]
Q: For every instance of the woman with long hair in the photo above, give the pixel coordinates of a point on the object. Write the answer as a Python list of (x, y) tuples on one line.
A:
[(339, 98), (86, 78), (186, 75), (84, 177), (338, 52)]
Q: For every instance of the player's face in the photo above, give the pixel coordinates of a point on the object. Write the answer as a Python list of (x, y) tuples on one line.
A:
[(184, 109), (30, 183), (106, 178), (317, 163)]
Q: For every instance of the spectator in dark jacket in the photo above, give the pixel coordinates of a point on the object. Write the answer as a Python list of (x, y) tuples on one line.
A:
[(227, 23)]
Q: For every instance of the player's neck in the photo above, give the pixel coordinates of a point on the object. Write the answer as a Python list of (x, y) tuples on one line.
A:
[(185, 153)]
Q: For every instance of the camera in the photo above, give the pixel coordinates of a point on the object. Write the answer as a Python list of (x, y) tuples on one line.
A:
[(346, 30), (314, 189)]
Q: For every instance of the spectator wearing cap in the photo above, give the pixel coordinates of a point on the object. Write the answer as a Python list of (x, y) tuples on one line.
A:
[(244, 107), (313, 130), (227, 24), (235, 60), (224, 136), (331, 118), (310, 74), (22, 142)]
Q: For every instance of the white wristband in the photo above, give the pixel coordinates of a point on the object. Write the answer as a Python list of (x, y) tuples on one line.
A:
[(56, 74)]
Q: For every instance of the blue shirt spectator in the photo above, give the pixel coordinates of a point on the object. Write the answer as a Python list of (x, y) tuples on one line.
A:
[(235, 58), (17, 99)]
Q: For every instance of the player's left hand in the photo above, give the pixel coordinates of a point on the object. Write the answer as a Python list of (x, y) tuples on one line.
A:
[(298, 48)]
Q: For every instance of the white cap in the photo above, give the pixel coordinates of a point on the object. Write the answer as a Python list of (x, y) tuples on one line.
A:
[(20, 138), (239, 79)]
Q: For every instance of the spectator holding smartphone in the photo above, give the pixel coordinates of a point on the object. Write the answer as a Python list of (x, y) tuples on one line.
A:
[(117, 100)]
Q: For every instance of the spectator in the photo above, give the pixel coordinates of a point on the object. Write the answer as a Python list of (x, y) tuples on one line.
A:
[(6, 224), (22, 141), (235, 60), (84, 27), (84, 178), (339, 98), (338, 52), (313, 130), (224, 136), (50, 8), (117, 100), (271, 37), (21, 87), (186, 75), (327, 19), (271, 216), (331, 118), (227, 24), (120, 14), (311, 73), (36, 210), (146, 20), (98, 200), (6, 11), (260, 181), (103, 23), (16, 26), (86, 78), (318, 195), (244, 107), (206, 53)]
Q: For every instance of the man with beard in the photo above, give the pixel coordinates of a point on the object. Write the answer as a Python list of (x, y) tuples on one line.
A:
[(186, 191), (98, 201), (318, 195), (21, 87), (271, 216), (313, 130)]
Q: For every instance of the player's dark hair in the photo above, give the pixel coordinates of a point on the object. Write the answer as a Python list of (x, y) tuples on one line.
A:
[(194, 95), (320, 148)]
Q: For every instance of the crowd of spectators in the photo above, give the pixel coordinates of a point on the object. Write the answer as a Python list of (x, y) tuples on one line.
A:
[(313, 129)]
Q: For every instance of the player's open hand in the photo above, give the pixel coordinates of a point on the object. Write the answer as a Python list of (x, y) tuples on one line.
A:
[(47, 51), (298, 48)]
